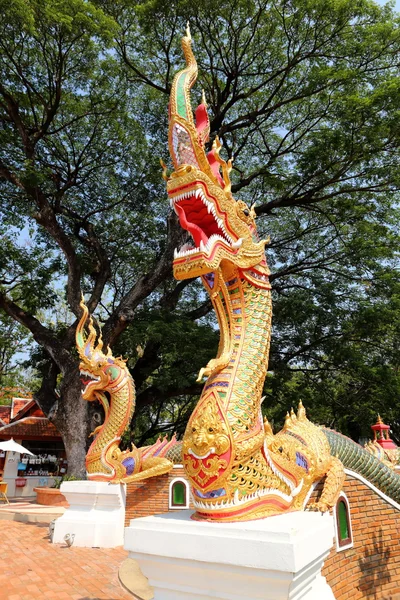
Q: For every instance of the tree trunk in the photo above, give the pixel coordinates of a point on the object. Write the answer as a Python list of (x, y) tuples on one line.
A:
[(72, 421)]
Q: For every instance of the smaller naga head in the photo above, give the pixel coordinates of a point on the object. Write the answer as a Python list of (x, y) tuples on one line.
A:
[(99, 372), (199, 189)]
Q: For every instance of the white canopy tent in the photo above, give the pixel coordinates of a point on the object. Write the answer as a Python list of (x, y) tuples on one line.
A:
[(11, 446)]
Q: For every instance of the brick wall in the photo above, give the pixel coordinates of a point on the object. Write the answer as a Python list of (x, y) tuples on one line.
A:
[(151, 496), (371, 568)]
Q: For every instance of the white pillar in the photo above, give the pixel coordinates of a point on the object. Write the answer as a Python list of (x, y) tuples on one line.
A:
[(277, 558), (11, 471), (96, 515)]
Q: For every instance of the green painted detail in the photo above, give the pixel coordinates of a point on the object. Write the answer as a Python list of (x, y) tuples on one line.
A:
[(180, 96), (343, 524), (179, 494), (222, 395), (113, 372)]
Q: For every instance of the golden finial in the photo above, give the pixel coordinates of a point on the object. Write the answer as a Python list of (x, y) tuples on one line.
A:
[(164, 168), (380, 420), (100, 342), (268, 427), (226, 166), (301, 412)]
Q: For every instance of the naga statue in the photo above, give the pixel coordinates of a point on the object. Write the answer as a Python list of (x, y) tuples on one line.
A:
[(108, 380), (238, 469)]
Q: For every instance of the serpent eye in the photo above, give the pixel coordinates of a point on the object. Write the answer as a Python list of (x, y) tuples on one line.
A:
[(210, 430), (246, 212), (193, 429)]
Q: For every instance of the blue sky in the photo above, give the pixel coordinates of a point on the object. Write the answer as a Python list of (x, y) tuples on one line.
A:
[(397, 3)]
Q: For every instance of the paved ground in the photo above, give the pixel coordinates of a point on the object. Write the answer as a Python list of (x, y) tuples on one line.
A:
[(25, 509), (32, 568)]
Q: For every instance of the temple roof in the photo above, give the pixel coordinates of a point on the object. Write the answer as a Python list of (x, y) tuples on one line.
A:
[(18, 404), (28, 428)]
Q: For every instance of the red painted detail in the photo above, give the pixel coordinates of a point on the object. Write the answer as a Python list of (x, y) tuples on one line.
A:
[(196, 232), (202, 122), (202, 480)]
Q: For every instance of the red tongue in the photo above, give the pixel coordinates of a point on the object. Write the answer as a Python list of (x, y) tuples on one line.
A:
[(196, 232)]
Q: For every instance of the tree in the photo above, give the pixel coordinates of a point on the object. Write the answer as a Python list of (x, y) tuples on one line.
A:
[(12, 338), (302, 93)]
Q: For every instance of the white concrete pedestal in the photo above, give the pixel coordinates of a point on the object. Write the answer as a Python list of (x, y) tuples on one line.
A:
[(277, 558), (96, 514)]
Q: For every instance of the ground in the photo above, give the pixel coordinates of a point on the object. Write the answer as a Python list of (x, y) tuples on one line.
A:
[(32, 568)]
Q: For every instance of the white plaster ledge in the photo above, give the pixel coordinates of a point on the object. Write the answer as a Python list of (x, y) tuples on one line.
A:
[(271, 559), (96, 514)]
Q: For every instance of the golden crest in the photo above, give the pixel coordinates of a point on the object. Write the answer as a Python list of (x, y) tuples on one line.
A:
[(207, 444)]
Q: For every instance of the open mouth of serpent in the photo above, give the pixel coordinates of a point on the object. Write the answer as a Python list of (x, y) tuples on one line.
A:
[(199, 216), (87, 378)]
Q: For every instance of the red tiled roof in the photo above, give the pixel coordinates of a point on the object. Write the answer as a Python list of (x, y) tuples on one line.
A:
[(5, 413), (30, 409), (29, 427), (18, 404)]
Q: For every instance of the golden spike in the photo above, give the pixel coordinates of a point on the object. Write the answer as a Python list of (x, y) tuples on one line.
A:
[(288, 421), (301, 412), (164, 168), (293, 415), (203, 98), (268, 427), (252, 211), (92, 333), (188, 34), (226, 166), (266, 241), (79, 333), (100, 342), (226, 169), (216, 146)]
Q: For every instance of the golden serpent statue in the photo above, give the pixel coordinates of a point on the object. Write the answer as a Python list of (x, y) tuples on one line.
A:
[(108, 380), (237, 468)]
